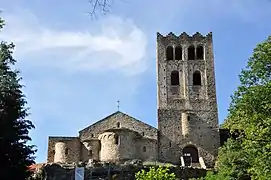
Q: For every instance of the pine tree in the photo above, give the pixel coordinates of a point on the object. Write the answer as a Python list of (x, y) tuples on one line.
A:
[(15, 152)]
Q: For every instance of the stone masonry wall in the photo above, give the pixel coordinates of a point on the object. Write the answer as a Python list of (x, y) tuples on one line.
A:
[(72, 151), (118, 120), (109, 147), (119, 145), (90, 149), (146, 149), (198, 102)]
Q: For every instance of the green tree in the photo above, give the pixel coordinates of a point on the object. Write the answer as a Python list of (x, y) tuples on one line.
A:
[(249, 155), (15, 154), (160, 173)]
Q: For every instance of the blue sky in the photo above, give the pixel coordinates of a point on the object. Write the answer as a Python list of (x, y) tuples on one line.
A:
[(76, 68)]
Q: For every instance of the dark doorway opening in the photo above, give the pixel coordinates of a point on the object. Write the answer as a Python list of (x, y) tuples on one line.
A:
[(190, 155)]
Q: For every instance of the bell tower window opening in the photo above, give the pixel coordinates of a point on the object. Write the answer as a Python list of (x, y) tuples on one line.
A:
[(175, 78), (197, 78), (169, 53), (191, 53), (178, 53), (200, 52)]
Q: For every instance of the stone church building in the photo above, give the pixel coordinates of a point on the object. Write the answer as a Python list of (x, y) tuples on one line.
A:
[(188, 129)]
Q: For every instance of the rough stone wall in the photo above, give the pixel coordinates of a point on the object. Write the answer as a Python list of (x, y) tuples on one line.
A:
[(90, 149), (118, 145), (113, 121), (198, 103), (109, 149), (72, 144), (146, 149), (60, 155)]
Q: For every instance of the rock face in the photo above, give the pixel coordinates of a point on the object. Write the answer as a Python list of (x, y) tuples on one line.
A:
[(108, 171)]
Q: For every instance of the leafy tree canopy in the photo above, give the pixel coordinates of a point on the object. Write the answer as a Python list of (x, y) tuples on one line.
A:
[(160, 173), (249, 156)]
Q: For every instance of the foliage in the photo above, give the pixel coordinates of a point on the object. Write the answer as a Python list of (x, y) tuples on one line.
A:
[(160, 173), (249, 155), (214, 176), (15, 154)]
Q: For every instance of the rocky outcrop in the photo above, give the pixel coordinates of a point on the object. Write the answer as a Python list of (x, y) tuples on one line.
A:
[(105, 171)]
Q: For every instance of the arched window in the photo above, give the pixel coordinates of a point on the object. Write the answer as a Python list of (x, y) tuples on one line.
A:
[(175, 78), (169, 53), (196, 78), (190, 154), (178, 53), (191, 53), (116, 139), (118, 124), (144, 149), (200, 52)]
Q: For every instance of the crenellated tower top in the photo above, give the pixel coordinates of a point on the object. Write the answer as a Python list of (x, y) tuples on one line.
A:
[(184, 37)]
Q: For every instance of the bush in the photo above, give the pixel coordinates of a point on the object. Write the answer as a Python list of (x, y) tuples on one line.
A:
[(160, 173)]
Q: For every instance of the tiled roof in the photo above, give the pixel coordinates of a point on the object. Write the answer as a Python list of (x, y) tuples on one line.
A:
[(35, 167)]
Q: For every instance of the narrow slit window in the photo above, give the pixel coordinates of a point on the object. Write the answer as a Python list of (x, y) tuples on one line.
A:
[(66, 151), (90, 153), (117, 139)]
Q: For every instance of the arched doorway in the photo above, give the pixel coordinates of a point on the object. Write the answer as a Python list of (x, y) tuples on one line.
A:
[(190, 155)]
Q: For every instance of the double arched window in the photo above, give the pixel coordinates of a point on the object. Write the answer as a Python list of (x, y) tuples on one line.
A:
[(174, 53), (197, 53)]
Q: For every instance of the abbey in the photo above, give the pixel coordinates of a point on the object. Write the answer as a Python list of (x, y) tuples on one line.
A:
[(188, 130)]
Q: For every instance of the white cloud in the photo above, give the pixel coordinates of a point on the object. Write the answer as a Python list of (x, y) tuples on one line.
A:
[(120, 44)]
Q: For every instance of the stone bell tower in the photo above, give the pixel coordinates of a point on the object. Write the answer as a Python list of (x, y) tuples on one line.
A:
[(187, 106)]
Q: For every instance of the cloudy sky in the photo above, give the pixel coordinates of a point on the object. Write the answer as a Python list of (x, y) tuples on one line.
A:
[(76, 67)]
